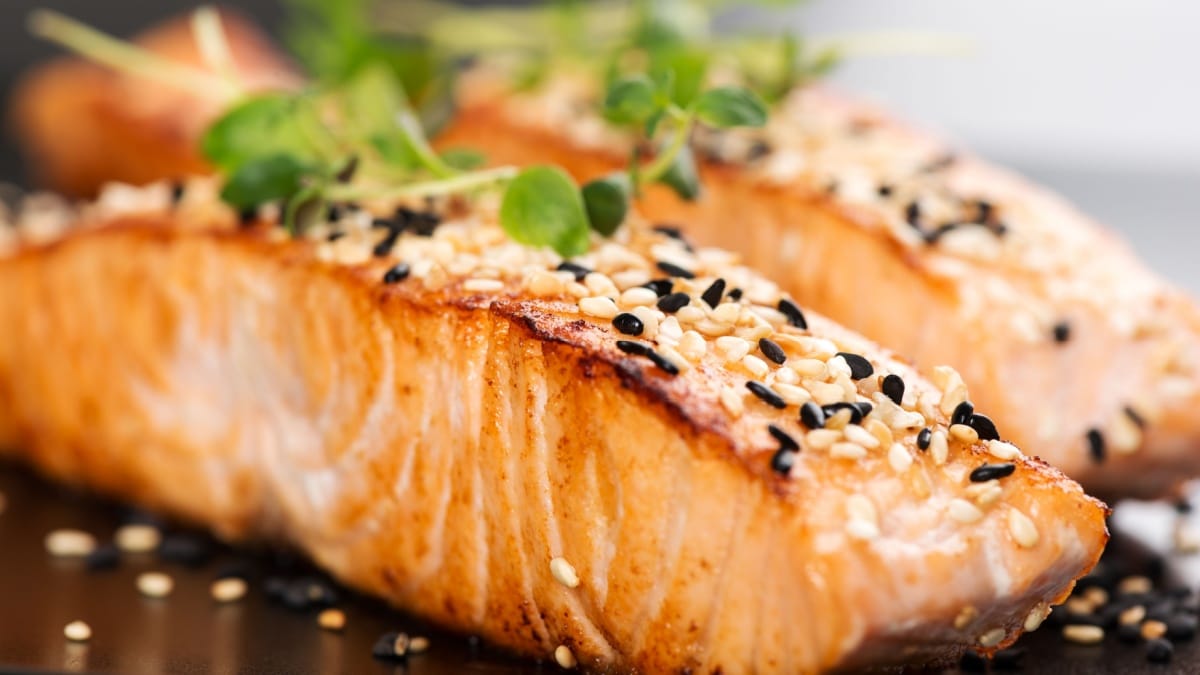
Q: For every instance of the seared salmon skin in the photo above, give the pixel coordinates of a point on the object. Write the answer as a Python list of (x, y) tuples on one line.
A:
[(648, 457)]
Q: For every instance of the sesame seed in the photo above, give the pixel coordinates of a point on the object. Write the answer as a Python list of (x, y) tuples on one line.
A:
[(667, 365), (820, 439), (1132, 616), (939, 449), (674, 302), (660, 287), (1062, 332), (1002, 450), (846, 450), (599, 307), (783, 460), (965, 616), (884, 190), (331, 619), (992, 637), (766, 394), (564, 658), (898, 458), (735, 294), (564, 572), (230, 589), (792, 311), (964, 511), (1135, 417), (486, 286), (691, 314), (1135, 585), (638, 296), (860, 368), (924, 437), (962, 413), (791, 394), (856, 412), (861, 529), (155, 584), (137, 538), (670, 231), (731, 400), (712, 295), (772, 351), (964, 433), (785, 439), (1082, 634), (992, 471), (809, 367), (692, 345), (812, 416), (1159, 651), (1095, 442), (838, 420), (1153, 629), (1036, 616), (397, 273), (893, 387), (67, 543), (1022, 529), (984, 427), (859, 435), (391, 646), (635, 348), (385, 245), (733, 348), (912, 214), (674, 270), (77, 631), (579, 271), (418, 645), (628, 324)]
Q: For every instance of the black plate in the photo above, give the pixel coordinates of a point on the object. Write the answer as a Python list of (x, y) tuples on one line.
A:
[(189, 633)]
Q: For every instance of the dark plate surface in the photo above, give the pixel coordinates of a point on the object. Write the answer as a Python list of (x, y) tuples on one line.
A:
[(189, 633)]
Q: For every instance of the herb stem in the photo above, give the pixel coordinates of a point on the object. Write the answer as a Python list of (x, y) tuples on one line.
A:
[(123, 56), (662, 163), (213, 44), (431, 188)]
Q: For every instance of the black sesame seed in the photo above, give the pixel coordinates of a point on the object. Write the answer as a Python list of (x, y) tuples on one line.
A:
[(812, 416), (792, 311), (578, 270), (782, 461), (104, 557), (635, 348), (735, 294), (757, 150), (1062, 332), (385, 647), (660, 287), (785, 439), (295, 597), (628, 324), (985, 210), (346, 173), (186, 549), (772, 351), (856, 413), (860, 368), (712, 295), (893, 387), (275, 588), (766, 394), (421, 223), (972, 663), (662, 362), (177, 188), (1008, 659), (863, 408), (1183, 506), (236, 569), (397, 273), (335, 212), (674, 302), (984, 426), (1181, 627), (885, 190), (940, 231), (1135, 417), (248, 216), (319, 592), (1159, 651), (674, 270), (983, 474), (1095, 441), (831, 188), (385, 245), (924, 438), (335, 235), (912, 214), (1129, 633), (962, 413)]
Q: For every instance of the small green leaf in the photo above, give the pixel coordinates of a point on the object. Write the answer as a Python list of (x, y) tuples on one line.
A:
[(463, 159), (630, 100), (654, 121), (688, 68), (263, 180), (607, 202), (730, 107), (543, 207), (682, 176), (263, 125)]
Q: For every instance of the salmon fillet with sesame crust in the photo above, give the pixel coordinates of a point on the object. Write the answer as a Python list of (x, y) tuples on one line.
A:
[(1083, 355), (739, 485)]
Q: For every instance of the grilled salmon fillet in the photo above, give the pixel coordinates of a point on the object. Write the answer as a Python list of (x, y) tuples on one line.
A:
[(649, 456), (1083, 355)]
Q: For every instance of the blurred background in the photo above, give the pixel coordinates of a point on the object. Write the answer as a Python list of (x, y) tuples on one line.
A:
[(1095, 98)]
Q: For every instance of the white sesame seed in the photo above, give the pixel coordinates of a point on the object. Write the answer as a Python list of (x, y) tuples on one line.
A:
[(992, 637), (137, 538), (808, 368), (1083, 635), (954, 391), (639, 296), (599, 307), (1135, 585), (77, 631), (838, 421), (964, 433), (939, 448), (331, 619), (690, 314), (543, 284), (418, 645), (564, 658), (732, 401), (1036, 616), (600, 284), (790, 393), (230, 589), (860, 507), (155, 584), (1132, 616), (713, 328), (1124, 436), (964, 511), (756, 366), (838, 366), (965, 616), (67, 543), (847, 451), (857, 434), (821, 439), (577, 290), (825, 393), (879, 430), (861, 529), (1002, 450), (899, 458), (670, 328), (564, 573), (985, 494), (907, 420), (674, 357), (649, 318), (1153, 629), (789, 376), (1022, 529), (482, 285), (732, 348), (400, 644), (727, 313), (692, 345)]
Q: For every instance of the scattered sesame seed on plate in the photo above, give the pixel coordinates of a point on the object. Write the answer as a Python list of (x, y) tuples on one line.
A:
[(1153, 629), (77, 631), (229, 589), (1082, 634), (138, 538), (69, 543), (418, 645), (331, 619), (564, 658), (1135, 585), (155, 584), (563, 572)]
